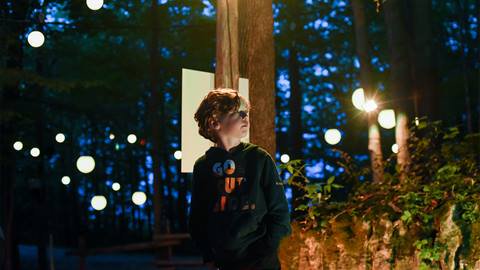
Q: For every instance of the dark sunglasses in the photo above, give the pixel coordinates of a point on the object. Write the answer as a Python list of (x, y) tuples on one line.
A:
[(242, 114)]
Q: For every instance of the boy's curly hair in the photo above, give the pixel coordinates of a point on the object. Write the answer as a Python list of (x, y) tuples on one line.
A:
[(215, 105)]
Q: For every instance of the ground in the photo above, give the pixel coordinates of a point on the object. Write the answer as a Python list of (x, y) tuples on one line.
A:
[(118, 261)]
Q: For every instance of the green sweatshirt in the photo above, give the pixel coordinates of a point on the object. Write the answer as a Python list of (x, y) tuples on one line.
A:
[(239, 212)]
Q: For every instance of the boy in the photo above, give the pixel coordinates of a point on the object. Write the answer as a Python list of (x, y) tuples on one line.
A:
[(239, 212)]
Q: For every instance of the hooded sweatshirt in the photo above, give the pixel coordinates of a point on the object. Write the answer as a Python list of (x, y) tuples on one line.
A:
[(239, 212)]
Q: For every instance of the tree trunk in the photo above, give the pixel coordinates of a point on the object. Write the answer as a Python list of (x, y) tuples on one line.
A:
[(155, 100), (363, 52), (400, 77), (226, 69), (12, 45), (423, 59), (257, 63)]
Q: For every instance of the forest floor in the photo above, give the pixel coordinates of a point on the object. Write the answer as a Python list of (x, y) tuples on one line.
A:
[(117, 261)]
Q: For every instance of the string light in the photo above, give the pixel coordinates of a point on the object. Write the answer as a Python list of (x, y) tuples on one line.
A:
[(178, 155), (358, 99), (139, 198), (35, 152), (94, 4), (116, 186), (370, 105), (395, 148), (65, 180), (333, 136), (132, 138), (98, 202), (35, 39), (60, 137), (85, 164), (18, 145), (386, 118), (285, 158)]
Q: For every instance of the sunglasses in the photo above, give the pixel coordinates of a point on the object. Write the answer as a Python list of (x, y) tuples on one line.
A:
[(233, 117)]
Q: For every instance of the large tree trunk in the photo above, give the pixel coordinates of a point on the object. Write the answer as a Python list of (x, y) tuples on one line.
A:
[(13, 47), (423, 59), (153, 104), (363, 52), (464, 25), (257, 63), (226, 69), (400, 77), (295, 134)]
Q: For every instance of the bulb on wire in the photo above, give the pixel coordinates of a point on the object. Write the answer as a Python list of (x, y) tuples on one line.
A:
[(94, 4), (35, 39)]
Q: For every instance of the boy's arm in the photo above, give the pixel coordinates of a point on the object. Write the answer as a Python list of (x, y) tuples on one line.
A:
[(278, 215), (197, 219)]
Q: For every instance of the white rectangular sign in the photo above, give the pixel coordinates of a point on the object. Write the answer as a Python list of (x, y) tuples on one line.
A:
[(195, 86)]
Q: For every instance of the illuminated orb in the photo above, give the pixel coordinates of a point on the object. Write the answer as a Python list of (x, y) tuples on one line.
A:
[(132, 138), (285, 158), (85, 164), (386, 118), (139, 198), (36, 39), (94, 4), (177, 154), (60, 137), (395, 148), (35, 152), (18, 145), (98, 202), (370, 105), (358, 99), (65, 180), (333, 136), (116, 186)]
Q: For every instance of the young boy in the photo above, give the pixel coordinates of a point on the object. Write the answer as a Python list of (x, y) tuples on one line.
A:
[(239, 212)]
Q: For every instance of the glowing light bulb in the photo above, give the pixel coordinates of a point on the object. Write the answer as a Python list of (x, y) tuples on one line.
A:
[(98, 202), (35, 152), (65, 180), (132, 138), (386, 119), (139, 198), (116, 186), (36, 39), (285, 158), (177, 154), (60, 137), (85, 164), (18, 145), (333, 136), (94, 4)]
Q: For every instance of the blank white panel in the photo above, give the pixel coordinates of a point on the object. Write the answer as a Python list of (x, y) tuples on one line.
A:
[(195, 86)]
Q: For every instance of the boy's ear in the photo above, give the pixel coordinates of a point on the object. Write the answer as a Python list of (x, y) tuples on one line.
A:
[(215, 125)]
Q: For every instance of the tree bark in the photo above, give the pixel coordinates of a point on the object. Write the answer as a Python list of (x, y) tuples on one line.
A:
[(226, 69), (400, 83), (257, 63), (423, 59), (363, 51), (155, 100)]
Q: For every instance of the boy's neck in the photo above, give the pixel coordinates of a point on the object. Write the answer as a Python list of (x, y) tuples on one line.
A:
[(227, 143)]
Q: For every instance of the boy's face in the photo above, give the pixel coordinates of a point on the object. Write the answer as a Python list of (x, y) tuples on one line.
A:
[(235, 124)]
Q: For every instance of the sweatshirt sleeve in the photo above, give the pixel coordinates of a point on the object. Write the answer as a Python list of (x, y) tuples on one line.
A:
[(278, 215), (197, 226)]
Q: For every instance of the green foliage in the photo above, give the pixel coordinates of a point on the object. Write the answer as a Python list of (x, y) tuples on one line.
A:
[(315, 194), (444, 170), (430, 253)]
